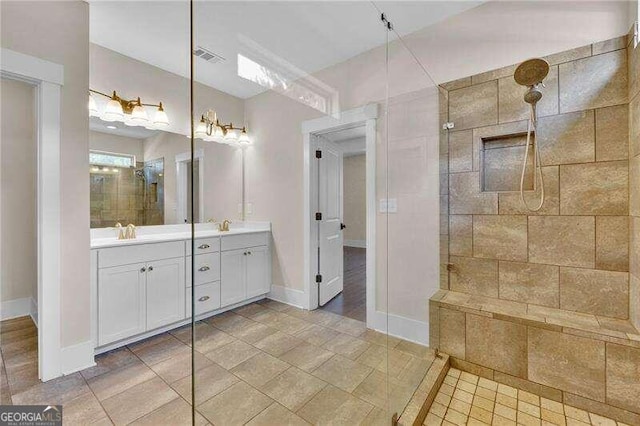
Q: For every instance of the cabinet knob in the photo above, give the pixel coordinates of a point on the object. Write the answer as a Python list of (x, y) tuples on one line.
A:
[(150, 268), (249, 253), (143, 269), (245, 253), (204, 269), (203, 246), (203, 299)]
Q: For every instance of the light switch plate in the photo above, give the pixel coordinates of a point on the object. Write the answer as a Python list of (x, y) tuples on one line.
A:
[(249, 209), (383, 205), (392, 205)]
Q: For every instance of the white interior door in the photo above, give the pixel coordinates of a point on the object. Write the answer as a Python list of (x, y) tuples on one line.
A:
[(330, 239)]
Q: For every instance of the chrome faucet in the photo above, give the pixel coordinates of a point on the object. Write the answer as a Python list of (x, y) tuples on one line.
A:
[(224, 226)]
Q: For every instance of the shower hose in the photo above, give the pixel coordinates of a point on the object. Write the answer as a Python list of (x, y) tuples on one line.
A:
[(537, 166)]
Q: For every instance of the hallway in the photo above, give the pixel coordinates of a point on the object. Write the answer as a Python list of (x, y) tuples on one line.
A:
[(352, 302)]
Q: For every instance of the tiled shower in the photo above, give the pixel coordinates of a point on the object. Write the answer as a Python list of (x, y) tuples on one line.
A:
[(546, 301)]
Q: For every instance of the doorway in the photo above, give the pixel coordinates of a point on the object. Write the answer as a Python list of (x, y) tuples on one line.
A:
[(341, 269), (18, 205), (351, 300)]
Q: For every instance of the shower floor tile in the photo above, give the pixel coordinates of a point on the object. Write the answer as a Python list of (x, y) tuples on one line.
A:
[(493, 403)]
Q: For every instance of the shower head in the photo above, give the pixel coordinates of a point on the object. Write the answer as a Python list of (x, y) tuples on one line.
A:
[(530, 73)]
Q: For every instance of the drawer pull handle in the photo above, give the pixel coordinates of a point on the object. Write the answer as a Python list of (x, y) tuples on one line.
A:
[(204, 246), (204, 269), (203, 299)]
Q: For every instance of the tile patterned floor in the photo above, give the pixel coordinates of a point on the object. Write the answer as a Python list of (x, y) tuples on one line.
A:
[(466, 399), (263, 364)]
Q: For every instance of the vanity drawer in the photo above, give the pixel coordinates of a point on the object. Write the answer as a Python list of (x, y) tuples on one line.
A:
[(207, 298), (139, 253), (207, 268), (234, 242), (205, 245)]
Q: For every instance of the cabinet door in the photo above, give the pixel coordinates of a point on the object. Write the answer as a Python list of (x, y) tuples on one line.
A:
[(165, 292), (257, 269), (121, 302), (232, 282)]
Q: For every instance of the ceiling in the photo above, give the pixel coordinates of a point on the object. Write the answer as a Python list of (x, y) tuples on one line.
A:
[(308, 36)]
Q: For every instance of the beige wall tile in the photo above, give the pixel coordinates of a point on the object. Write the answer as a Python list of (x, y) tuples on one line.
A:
[(466, 198), (567, 138), (633, 58), (500, 237), (594, 82), (510, 203), (461, 151), (612, 243), (623, 377), (612, 133), (461, 235), (595, 292), (493, 74), (452, 332), (474, 106), (474, 276), (634, 241), (562, 240), (634, 301), (566, 362), (497, 344), (634, 186), (457, 84), (596, 188), (610, 45), (529, 283), (634, 125), (512, 106), (569, 55)]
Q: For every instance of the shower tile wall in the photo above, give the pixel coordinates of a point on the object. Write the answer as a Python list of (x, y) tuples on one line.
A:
[(633, 59), (574, 253)]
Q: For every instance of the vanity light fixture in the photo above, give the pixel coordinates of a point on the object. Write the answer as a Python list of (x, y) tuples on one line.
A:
[(130, 112), (210, 129)]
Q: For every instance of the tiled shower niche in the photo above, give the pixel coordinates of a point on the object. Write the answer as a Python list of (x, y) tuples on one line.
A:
[(546, 301)]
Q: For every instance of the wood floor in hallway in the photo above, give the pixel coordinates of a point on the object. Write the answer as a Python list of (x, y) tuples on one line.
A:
[(352, 302)]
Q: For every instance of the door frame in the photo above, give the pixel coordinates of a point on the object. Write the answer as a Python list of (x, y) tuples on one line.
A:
[(366, 116), (182, 162), (48, 79)]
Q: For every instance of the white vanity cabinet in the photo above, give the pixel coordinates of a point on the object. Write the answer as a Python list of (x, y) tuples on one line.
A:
[(140, 288), (143, 288), (245, 267)]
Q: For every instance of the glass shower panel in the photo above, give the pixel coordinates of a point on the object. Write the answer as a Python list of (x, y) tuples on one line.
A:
[(409, 204), (288, 100)]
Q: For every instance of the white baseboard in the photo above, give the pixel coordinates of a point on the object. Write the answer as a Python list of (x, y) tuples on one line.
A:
[(77, 357), (289, 296), (355, 243), (404, 328), (15, 308)]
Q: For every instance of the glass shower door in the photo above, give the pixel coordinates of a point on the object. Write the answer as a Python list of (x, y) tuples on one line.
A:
[(287, 101)]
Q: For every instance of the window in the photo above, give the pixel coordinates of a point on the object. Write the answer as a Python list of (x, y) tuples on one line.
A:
[(101, 158)]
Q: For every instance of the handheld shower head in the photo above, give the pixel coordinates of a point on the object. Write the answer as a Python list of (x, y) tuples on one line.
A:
[(530, 73)]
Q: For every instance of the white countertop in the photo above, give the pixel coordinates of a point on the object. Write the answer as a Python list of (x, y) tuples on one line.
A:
[(106, 237)]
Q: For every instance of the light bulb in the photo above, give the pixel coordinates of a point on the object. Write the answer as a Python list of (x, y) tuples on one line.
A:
[(218, 135), (160, 119), (139, 115), (113, 110), (244, 138), (231, 136), (201, 130), (93, 107)]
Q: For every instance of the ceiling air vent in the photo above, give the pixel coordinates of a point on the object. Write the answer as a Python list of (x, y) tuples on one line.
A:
[(208, 55)]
